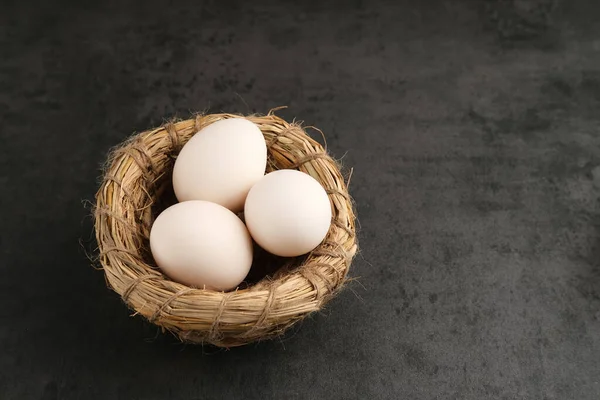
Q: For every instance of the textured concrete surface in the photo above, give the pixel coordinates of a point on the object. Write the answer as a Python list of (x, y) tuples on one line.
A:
[(473, 128)]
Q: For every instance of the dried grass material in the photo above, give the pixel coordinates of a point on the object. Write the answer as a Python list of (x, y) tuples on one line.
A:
[(137, 185)]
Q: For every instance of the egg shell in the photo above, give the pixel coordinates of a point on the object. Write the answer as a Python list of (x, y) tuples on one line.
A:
[(201, 244), (221, 163), (288, 213)]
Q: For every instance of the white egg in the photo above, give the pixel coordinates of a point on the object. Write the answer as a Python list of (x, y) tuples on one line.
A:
[(221, 163), (288, 213), (201, 244)]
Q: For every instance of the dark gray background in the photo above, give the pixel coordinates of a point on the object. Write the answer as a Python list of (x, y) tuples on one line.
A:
[(473, 128)]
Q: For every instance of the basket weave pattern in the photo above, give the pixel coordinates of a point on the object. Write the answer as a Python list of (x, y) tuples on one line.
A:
[(136, 180)]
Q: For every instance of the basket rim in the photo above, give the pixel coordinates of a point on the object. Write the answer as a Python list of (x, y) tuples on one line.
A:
[(131, 184)]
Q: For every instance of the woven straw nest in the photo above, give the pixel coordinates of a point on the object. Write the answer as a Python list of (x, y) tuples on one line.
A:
[(136, 186)]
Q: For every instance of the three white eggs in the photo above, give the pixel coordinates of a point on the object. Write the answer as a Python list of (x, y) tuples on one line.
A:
[(201, 242)]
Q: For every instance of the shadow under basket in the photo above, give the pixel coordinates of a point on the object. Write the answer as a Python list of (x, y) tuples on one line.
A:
[(136, 186)]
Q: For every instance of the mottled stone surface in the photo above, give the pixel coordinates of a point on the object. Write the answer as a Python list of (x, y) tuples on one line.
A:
[(473, 128)]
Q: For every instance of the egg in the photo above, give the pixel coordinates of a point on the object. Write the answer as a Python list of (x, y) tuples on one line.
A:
[(201, 244), (288, 213), (221, 163)]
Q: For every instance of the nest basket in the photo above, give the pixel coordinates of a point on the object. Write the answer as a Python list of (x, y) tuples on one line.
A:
[(136, 186)]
